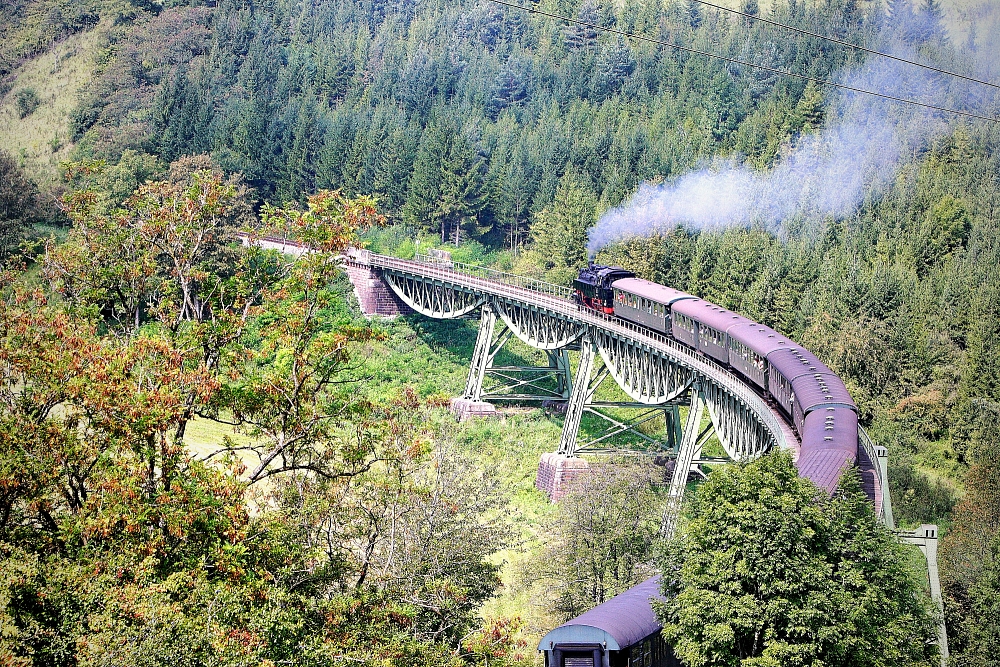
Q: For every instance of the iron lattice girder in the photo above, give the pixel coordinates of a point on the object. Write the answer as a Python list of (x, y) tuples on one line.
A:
[(537, 327), (646, 376), (619, 427), (433, 298), (512, 378)]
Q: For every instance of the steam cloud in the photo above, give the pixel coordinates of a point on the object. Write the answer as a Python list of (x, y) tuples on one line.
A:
[(828, 173)]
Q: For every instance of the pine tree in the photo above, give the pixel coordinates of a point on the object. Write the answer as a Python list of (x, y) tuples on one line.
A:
[(299, 176), (578, 36), (425, 183), (515, 191), (614, 65), (693, 10), (559, 232), (463, 194), (447, 186), (810, 107), (931, 21)]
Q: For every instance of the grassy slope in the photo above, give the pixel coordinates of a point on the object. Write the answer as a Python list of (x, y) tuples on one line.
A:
[(42, 138)]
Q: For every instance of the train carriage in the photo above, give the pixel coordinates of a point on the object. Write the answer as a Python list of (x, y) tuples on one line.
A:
[(829, 445), (713, 323), (815, 390), (622, 632), (783, 366), (646, 302), (749, 345)]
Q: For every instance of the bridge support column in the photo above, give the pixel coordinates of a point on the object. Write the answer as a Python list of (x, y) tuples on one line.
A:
[(559, 362), (882, 454), (374, 295), (470, 403), (689, 448), (578, 396), (674, 427), (925, 538)]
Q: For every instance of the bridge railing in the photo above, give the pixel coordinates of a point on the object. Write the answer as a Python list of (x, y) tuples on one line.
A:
[(877, 455), (475, 271)]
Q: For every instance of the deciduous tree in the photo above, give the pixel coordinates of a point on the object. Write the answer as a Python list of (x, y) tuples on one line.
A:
[(768, 571)]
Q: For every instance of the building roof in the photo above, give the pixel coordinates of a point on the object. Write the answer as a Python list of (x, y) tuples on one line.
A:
[(650, 290), (621, 621), (709, 314)]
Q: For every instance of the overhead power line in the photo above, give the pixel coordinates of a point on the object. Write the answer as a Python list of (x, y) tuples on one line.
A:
[(745, 63), (852, 45)]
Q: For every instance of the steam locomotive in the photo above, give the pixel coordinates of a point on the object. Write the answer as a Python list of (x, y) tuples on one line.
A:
[(810, 395)]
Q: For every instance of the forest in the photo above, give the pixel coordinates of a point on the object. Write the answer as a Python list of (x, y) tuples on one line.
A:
[(207, 456)]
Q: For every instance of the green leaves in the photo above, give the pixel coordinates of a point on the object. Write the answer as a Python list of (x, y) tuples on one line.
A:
[(768, 571)]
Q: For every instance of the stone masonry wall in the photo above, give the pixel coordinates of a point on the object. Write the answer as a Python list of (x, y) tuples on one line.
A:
[(556, 473), (374, 296)]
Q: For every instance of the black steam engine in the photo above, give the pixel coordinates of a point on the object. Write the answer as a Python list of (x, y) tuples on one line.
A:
[(593, 286)]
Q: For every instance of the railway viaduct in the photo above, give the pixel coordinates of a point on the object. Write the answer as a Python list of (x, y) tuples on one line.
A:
[(657, 374)]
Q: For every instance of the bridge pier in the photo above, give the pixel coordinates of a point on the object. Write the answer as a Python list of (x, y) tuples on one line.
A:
[(925, 538), (557, 472), (687, 452), (375, 297)]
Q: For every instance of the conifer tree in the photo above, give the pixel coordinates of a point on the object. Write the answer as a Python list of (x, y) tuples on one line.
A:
[(559, 233)]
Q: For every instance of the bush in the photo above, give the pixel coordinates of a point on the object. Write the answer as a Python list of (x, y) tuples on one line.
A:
[(19, 203), (26, 102)]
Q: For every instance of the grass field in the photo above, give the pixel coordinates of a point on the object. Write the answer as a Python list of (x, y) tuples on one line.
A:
[(42, 139)]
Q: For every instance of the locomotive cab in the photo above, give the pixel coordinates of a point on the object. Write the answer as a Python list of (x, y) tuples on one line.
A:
[(592, 287)]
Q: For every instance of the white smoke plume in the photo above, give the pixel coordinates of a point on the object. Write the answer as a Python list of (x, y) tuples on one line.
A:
[(857, 152)]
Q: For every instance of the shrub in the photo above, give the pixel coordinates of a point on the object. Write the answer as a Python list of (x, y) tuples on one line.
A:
[(26, 102)]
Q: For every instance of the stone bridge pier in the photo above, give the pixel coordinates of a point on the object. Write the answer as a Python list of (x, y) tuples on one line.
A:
[(375, 297)]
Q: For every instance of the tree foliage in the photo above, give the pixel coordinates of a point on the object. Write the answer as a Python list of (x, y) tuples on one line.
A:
[(19, 201), (970, 558), (602, 539), (371, 541), (768, 571)]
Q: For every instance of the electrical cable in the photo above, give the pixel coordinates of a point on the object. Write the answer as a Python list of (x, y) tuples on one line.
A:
[(845, 43), (737, 61)]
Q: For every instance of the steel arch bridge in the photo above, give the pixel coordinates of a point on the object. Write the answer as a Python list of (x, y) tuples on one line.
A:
[(657, 374)]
